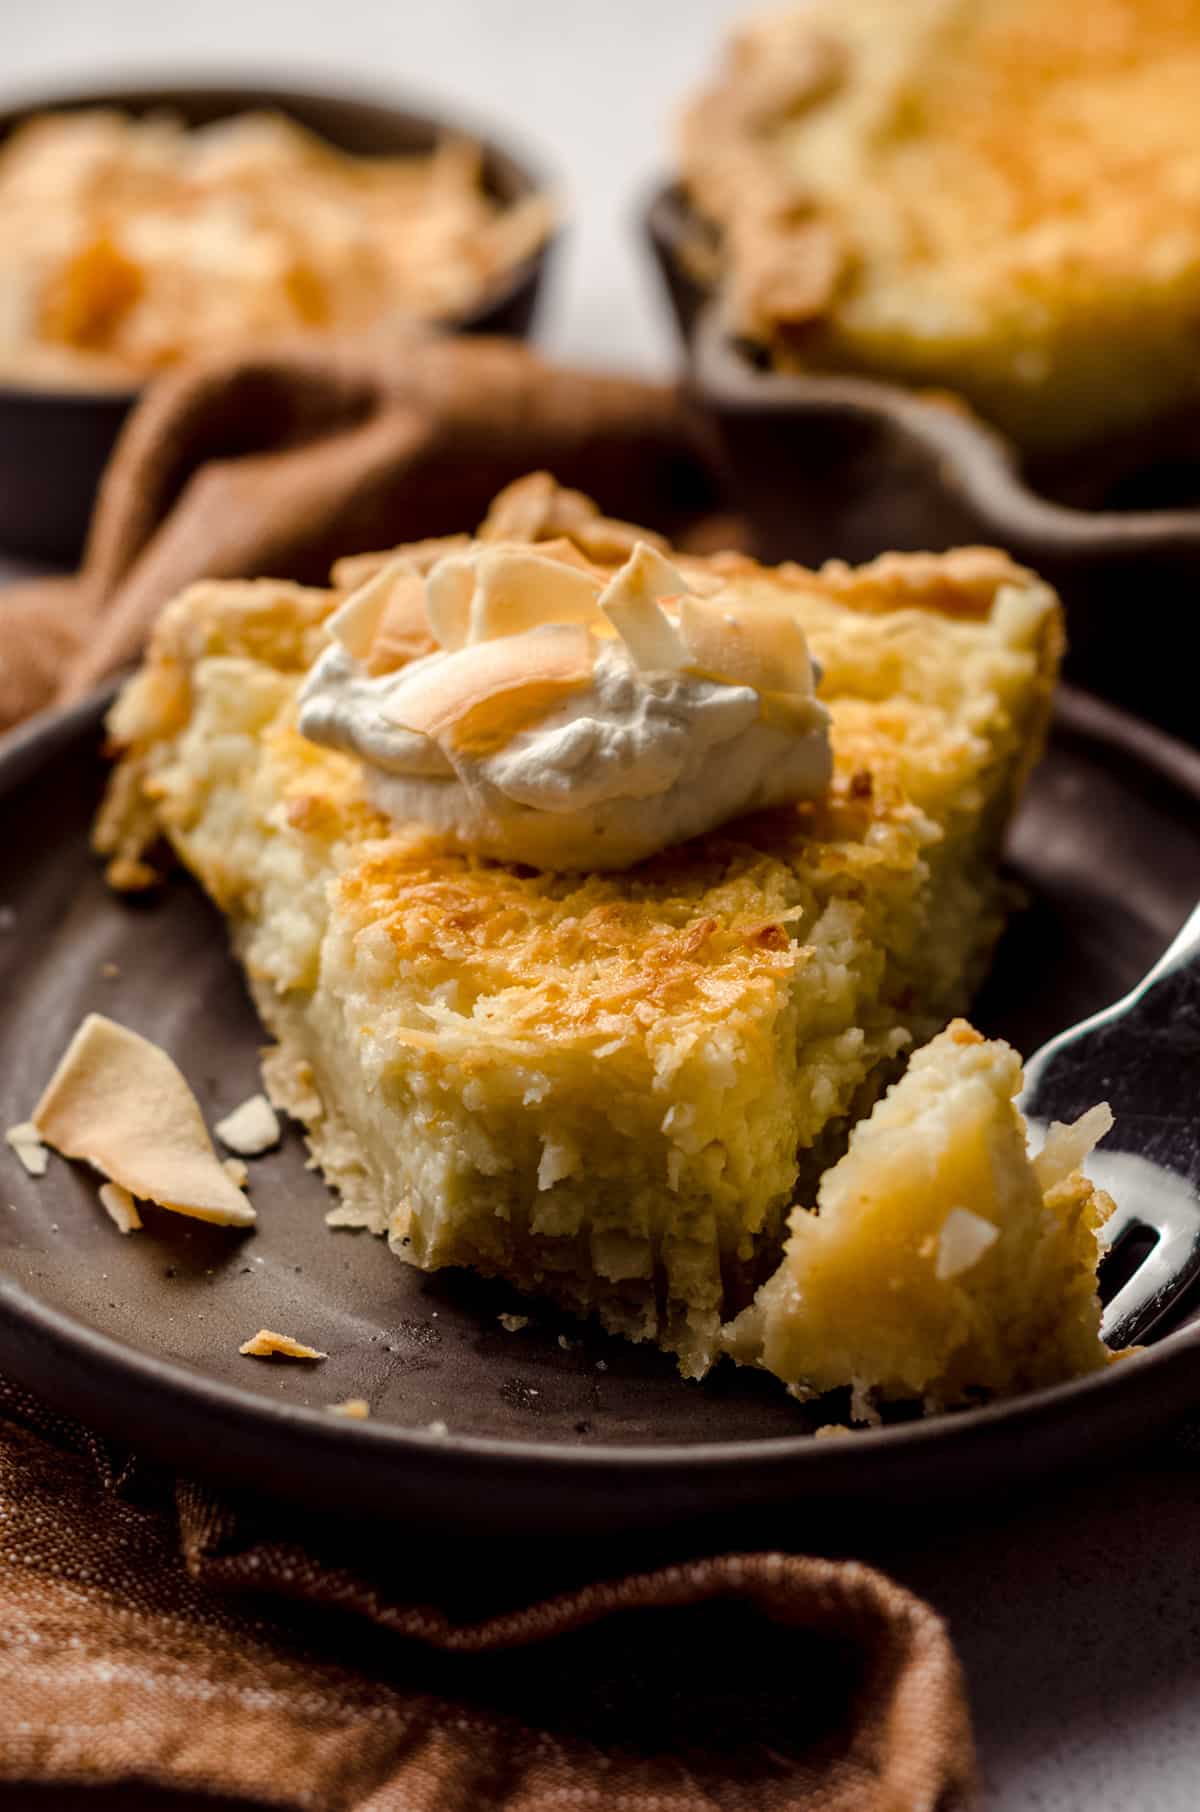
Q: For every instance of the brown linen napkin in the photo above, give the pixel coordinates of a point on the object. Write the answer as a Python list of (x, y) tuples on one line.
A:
[(173, 1639), (152, 1631), (278, 463)]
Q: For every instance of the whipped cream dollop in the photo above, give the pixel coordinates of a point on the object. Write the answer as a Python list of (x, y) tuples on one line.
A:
[(548, 713)]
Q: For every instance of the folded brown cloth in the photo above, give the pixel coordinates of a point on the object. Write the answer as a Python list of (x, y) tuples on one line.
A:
[(151, 1631), (167, 1638), (280, 463)]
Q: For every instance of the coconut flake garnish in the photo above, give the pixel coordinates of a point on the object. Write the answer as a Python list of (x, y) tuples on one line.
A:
[(251, 1128), (26, 1141), (120, 1207), (1067, 1148), (267, 1344), (384, 623), (631, 604), (482, 695), (746, 644), (964, 1239), (117, 1101)]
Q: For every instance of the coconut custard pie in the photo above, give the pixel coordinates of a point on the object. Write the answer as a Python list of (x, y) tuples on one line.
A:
[(996, 197), (591, 891)]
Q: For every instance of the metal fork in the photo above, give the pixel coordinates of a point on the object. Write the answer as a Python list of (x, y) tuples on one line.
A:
[(1143, 1057)]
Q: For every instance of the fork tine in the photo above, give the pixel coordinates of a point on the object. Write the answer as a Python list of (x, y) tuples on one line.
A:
[(1159, 1281)]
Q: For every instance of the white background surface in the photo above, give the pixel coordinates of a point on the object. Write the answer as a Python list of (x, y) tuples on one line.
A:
[(1077, 1617)]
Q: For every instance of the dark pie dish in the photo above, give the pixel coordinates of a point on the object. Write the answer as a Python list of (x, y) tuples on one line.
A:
[(55, 441), (849, 467), (472, 1426)]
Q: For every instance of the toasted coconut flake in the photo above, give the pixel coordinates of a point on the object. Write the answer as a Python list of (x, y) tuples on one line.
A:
[(403, 633), (383, 623), (1068, 1148), (517, 589), (119, 1102), (483, 695), (251, 1128), (537, 508), (355, 569), (26, 1141), (962, 1242), (120, 1207), (745, 644), (534, 507), (354, 623), (346, 1214), (449, 587), (355, 1409), (564, 550), (630, 602), (267, 1344)]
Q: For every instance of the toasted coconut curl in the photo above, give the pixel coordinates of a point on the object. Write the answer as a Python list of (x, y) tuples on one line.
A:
[(117, 1101), (120, 1208)]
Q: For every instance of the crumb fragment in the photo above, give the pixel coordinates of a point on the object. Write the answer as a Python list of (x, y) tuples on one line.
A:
[(119, 1102), (27, 1143), (565, 1344), (251, 1128), (120, 1207), (513, 1324), (110, 971), (236, 1171), (126, 874), (831, 1431), (267, 1344), (355, 1409), (290, 1084), (347, 1214), (962, 1242), (437, 1428)]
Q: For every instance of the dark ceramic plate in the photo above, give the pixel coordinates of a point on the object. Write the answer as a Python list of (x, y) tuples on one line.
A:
[(853, 467), (55, 442), (554, 1425)]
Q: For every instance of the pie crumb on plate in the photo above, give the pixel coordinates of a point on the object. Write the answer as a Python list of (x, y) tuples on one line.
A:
[(267, 1344)]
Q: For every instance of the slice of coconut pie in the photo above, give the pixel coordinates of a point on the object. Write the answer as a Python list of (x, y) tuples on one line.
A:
[(942, 1262), (587, 910)]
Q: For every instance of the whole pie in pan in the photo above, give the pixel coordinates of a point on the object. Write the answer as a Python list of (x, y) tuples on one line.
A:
[(592, 892), (992, 197)]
